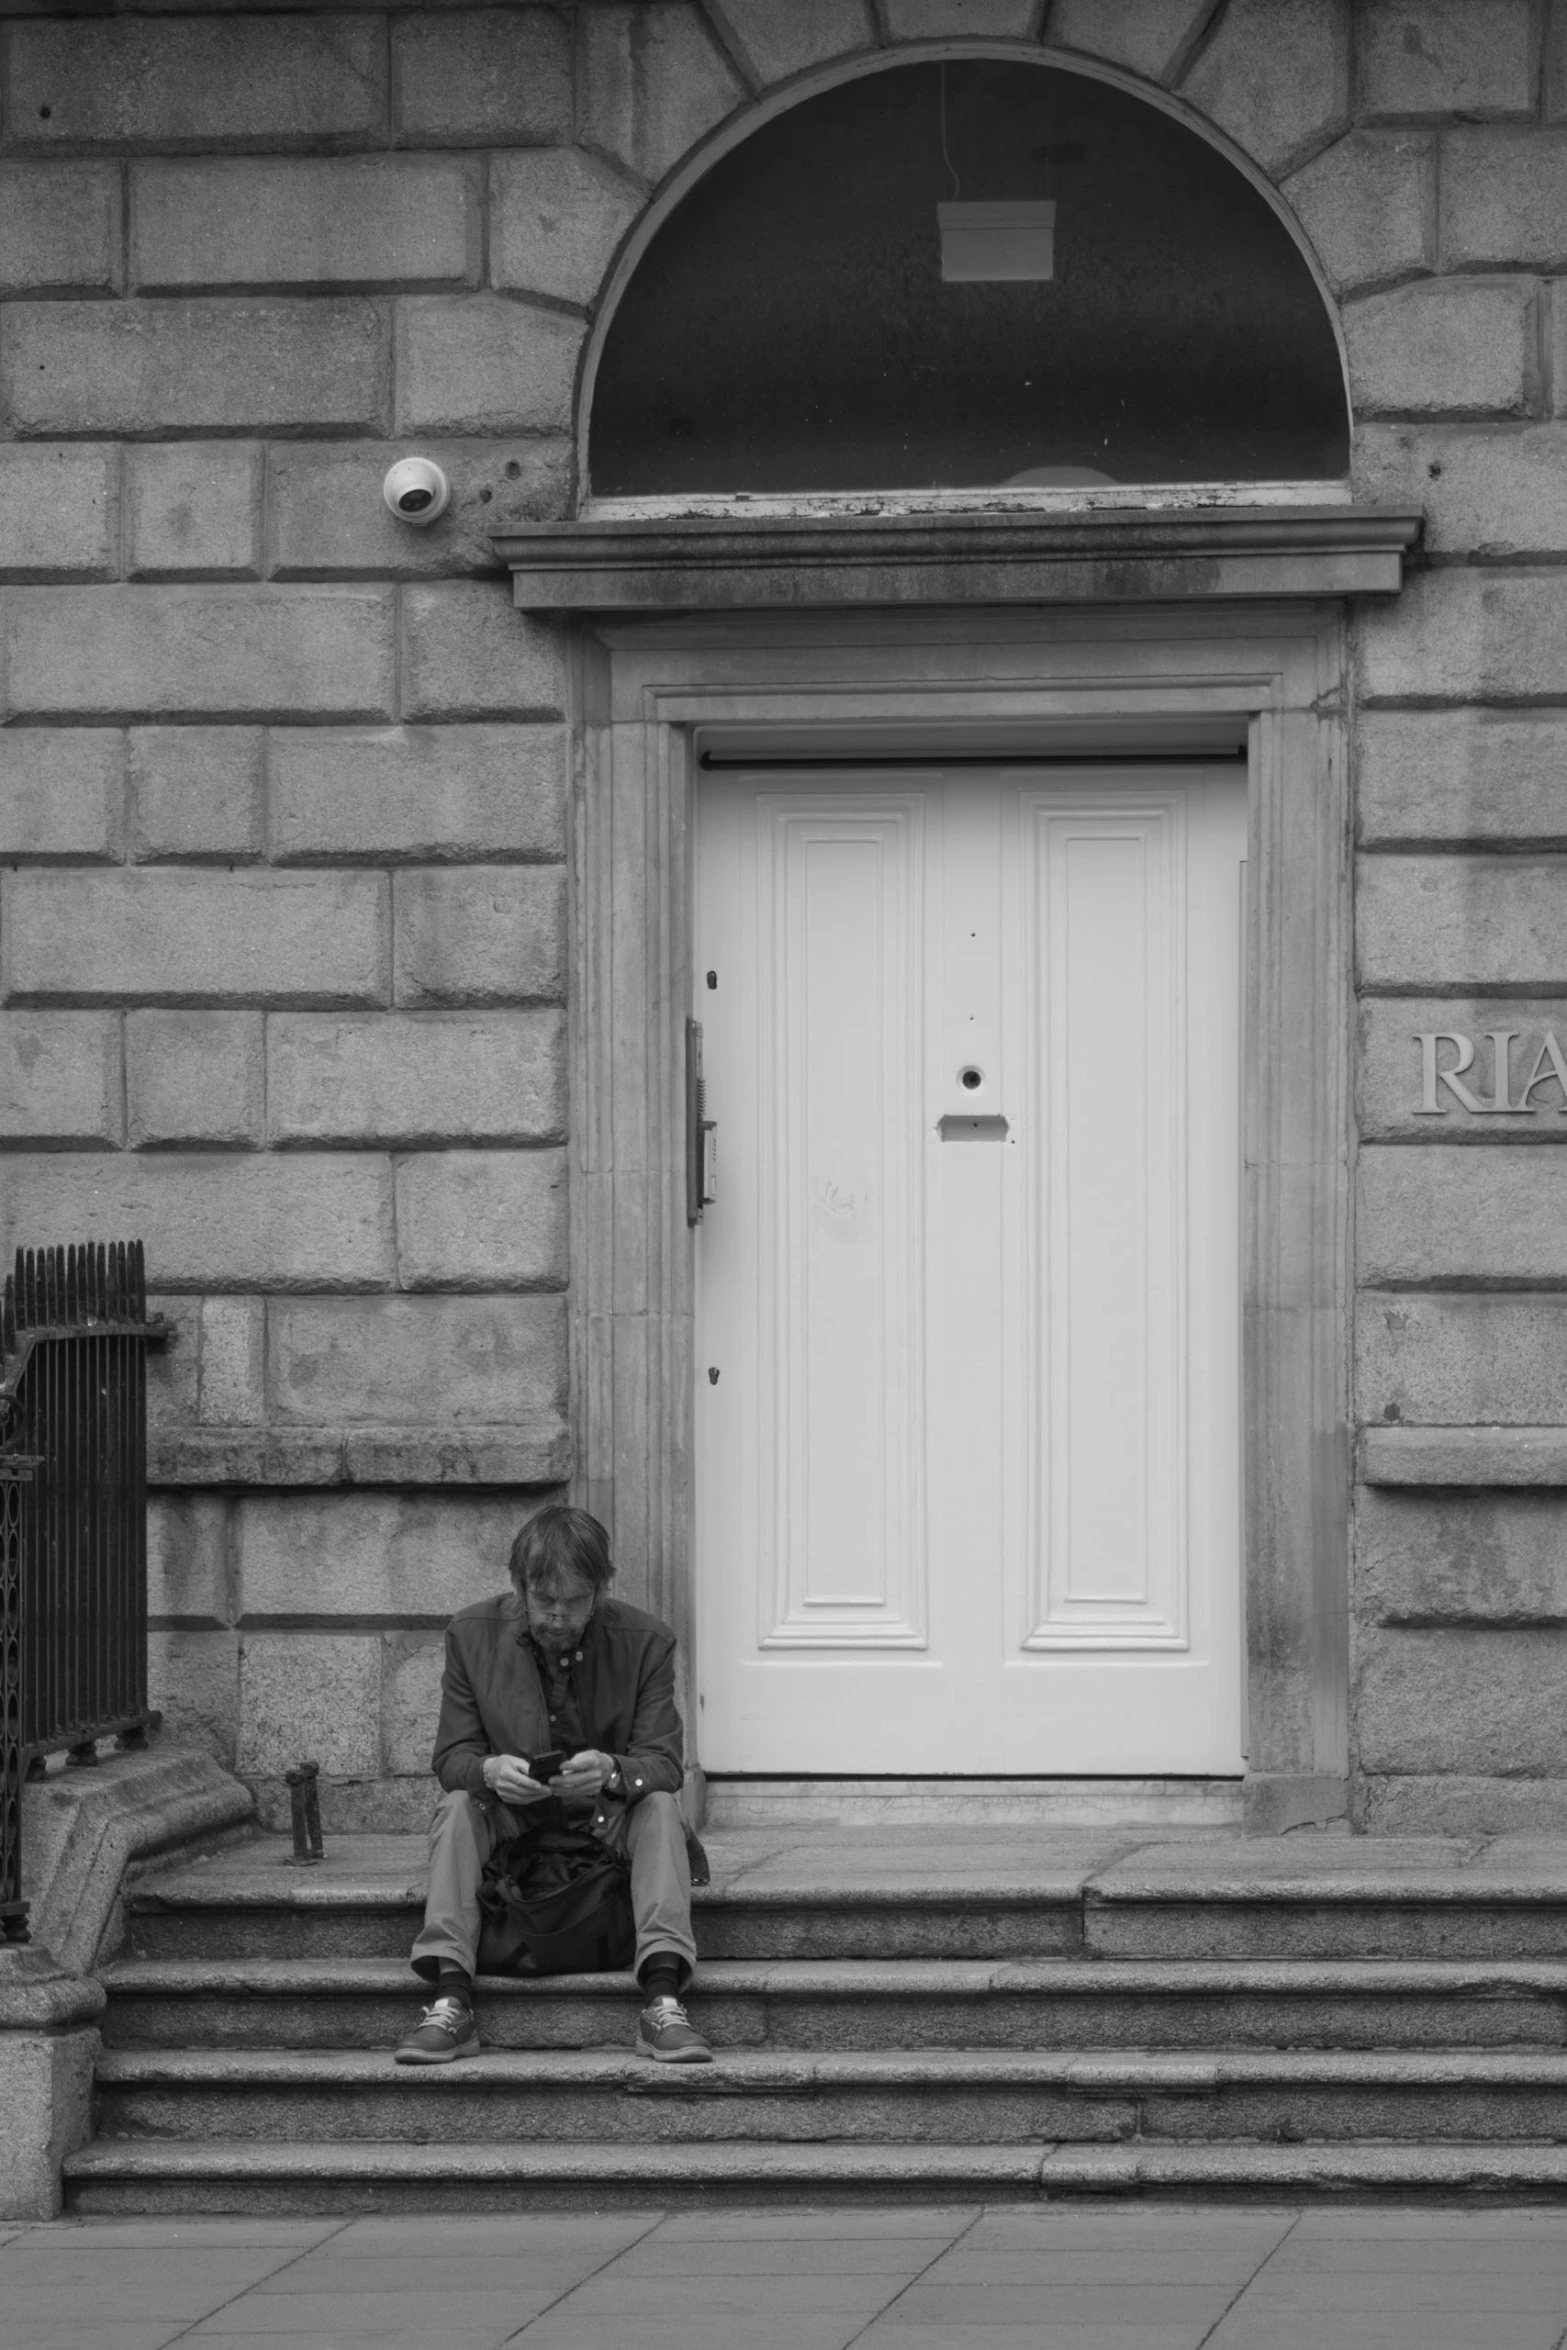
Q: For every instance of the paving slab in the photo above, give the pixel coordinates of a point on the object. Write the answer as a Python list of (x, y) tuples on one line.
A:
[(1304, 1866), (87, 2332), (84, 2233), (487, 2314)]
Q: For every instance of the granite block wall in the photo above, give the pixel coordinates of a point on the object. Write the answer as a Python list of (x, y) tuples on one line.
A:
[(285, 793)]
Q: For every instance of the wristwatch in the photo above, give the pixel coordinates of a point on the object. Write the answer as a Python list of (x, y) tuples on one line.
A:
[(614, 1784)]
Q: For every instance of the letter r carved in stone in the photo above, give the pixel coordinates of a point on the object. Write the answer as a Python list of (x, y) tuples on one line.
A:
[(1548, 1067)]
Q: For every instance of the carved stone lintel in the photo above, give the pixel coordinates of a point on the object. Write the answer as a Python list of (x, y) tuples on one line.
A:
[(1112, 555)]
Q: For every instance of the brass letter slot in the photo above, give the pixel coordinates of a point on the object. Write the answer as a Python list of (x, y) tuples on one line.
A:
[(955, 1127)]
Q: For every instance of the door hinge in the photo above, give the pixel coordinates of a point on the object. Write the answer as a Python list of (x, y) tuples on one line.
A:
[(701, 1132)]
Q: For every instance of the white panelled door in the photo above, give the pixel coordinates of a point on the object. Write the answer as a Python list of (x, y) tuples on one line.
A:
[(968, 1475)]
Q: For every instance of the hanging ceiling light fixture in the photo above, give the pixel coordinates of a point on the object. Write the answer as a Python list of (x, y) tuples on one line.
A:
[(988, 242)]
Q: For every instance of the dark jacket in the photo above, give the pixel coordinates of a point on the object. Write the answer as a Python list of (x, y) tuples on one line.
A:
[(493, 1702)]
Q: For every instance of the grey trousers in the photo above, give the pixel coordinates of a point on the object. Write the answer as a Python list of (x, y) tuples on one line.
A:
[(462, 1839)]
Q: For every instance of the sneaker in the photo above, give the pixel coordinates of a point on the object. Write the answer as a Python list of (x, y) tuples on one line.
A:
[(446, 2030), (665, 2032)]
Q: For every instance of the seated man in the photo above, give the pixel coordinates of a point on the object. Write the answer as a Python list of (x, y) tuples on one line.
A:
[(558, 1664)]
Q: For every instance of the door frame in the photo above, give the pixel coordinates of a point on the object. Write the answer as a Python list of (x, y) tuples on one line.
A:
[(640, 690)]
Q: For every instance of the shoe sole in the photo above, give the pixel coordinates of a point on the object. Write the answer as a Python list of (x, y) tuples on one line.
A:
[(422, 2056), (675, 2055)]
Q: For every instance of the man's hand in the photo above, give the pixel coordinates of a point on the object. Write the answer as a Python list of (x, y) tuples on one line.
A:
[(506, 1775), (586, 1773)]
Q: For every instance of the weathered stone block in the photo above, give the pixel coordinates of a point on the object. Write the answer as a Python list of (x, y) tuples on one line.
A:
[(1450, 1804), (156, 366), (424, 1362), (194, 1077), (196, 791), (59, 228), (309, 1697), (199, 82), (482, 1220), (1462, 1215), (414, 1078), (354, 1807), (1469, 57), (1491, 490), (61, 791), (1459, 634), (193, 506), (556, 217), (472, 363), (479, 935), (776, 42), (1446, 346), (59, 511), (485, 76), (193, 1680), (1277, 79), (60, 1079), (1463, 1699), (328, 519), (188, 1559), (202, 652), (1462, 1360), (46, 2094), (214, 1219), (1558, 350), (233, 1340), (651, 82), (1504, 199), (256, 221), (1368, 204), (1398, 1074), (1461, 775), (469, 653), (176, 936), (174, 1370), (1471, 1558), (405, 1558), (1450, 922), (1152, 37), (418, 791), (411, 1700)]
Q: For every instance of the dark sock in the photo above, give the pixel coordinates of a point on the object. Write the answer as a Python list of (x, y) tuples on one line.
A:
[(661, 1978), (452, 1983)]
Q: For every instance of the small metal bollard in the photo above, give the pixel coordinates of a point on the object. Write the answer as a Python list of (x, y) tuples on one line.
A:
[(305, 1810)]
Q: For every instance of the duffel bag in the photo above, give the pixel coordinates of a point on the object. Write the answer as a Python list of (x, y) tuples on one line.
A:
[(555, 1913)]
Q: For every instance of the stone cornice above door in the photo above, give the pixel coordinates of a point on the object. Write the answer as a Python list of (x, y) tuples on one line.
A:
[(1105, 556)]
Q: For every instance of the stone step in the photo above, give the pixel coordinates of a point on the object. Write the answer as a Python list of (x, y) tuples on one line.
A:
[(855, 1892), (892, 2095), (229, 1917), (250, 2176), (809, 2005), (887, 2098)]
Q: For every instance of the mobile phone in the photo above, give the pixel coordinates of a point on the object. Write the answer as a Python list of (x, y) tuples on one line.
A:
[(545, 1767)]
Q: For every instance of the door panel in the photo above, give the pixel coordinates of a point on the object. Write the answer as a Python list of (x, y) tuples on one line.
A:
[(968, 1478), (840, 1434)]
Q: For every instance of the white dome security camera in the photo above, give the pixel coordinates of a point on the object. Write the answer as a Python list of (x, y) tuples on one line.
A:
[(416, 491)]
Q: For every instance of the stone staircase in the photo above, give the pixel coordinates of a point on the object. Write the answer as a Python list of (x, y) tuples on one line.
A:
[(939, 2013)]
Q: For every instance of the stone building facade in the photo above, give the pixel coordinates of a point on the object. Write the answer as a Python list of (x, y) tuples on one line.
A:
[(300, 954)]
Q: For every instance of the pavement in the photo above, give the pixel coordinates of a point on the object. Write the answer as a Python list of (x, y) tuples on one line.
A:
[(1068, 2277)]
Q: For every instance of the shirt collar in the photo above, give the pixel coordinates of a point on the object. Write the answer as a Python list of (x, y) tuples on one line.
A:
[(547, 1656)]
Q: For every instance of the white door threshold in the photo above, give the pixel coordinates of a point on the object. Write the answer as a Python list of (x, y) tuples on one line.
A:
[(742, 1802)]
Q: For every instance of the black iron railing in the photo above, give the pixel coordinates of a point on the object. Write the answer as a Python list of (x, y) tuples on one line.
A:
[(13, 1909), (74, 1335)]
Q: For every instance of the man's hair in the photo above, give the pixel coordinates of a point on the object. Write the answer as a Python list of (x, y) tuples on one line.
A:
[(560, 1545)]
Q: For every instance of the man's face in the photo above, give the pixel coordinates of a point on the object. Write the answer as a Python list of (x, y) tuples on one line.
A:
[(558, 1613)]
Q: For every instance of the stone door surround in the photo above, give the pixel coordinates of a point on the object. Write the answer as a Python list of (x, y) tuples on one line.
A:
[(1146, 668)]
